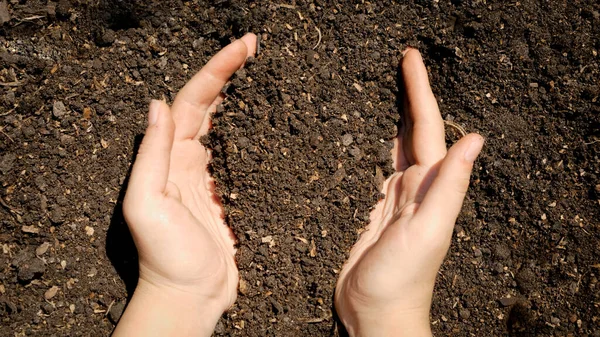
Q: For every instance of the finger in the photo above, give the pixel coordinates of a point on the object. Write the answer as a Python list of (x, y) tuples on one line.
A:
[(442, 203), (151, 169), (424, 138), (399, 161), (192, 102)]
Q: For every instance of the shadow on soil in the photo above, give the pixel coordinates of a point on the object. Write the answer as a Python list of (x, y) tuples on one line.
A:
[(120, 247)]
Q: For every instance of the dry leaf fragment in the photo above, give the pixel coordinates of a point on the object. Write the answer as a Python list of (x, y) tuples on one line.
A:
[(30, 229), (42, 249), (313, 248), (87, 113), (243, 287), (51, 292), (301, 239)]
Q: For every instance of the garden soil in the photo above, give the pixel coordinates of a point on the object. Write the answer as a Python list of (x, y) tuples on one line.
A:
[(301, 147)]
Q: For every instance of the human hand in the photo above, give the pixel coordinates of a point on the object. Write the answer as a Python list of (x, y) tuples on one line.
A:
[(186, 252), (386, 286)]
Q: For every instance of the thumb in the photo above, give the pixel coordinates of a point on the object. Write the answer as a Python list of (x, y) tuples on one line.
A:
[(445, 196), (150, 172)]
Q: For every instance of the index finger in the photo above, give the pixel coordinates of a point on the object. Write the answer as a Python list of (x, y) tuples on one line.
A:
[(192, 101), (424, 139)]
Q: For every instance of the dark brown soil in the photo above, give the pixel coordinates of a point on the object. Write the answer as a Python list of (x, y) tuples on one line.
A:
[(300, 148)]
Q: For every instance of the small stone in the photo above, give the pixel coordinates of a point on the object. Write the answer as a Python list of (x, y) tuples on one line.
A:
[(47, 308), (464, 313), (347, 139), (356, 153), (66, 139), (220, 327), (116, 311), (555, 320), (50, 293), (42, 249), (93, 272), (89, 231), (30, 270), (477, 252), (51, 9), (357, 87), (197, 44), (59, 109), (507, 301)]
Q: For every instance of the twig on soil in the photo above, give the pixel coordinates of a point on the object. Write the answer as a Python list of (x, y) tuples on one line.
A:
[(109, 307), (592, 142), (10, 209), (31, 18), (287, 6), (315, 320), (11, 84), (8, 112), (7, 136), (318, 42), (457, 127)]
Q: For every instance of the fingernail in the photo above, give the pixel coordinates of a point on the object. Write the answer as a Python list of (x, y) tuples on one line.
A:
[(406, 50), (474, 148), (153, 112)]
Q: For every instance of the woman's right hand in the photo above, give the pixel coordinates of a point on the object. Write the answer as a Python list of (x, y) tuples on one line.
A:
[(386, 286)]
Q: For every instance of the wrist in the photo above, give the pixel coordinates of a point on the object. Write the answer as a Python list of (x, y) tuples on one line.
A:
[(171, 311), (388, 324)]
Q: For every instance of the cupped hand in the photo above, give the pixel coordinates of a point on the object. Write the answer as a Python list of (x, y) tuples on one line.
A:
[(174, 217), (386, 286)]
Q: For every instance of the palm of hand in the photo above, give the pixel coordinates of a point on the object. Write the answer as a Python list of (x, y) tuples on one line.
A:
[(175, 219), (197, 247), (392, 268)]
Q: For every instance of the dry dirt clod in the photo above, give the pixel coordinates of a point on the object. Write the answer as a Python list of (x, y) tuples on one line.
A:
[(7, 162), (4, 14), (30, 270)]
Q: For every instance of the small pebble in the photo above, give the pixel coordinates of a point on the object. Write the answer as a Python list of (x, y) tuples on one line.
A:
[(347, 139), (507, 301), (59, 109), (116, 311)]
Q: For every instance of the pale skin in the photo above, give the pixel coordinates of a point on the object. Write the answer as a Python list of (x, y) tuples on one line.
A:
[(188, 276)]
